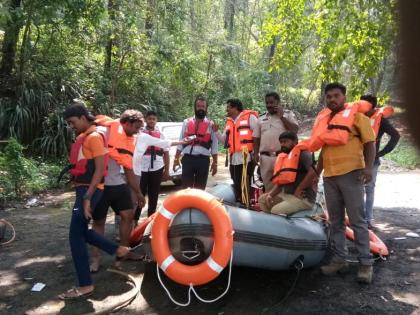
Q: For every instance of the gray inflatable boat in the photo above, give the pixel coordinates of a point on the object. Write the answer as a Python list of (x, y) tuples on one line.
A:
[(261, 240)]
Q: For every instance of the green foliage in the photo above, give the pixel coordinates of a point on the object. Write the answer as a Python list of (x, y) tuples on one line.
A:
[(15, 169), (343, 41), (405, 155), (119, 54), (20, 176)]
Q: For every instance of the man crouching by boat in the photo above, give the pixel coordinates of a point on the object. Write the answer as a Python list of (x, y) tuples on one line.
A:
[(293, 190)]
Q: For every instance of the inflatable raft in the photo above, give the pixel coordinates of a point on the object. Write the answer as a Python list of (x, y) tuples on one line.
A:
[(260, 240)]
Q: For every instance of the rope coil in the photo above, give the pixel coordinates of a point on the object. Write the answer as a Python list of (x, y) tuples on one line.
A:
[(7, 223)]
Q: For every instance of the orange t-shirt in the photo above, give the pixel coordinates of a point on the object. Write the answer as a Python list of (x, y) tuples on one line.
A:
[(342, 159), (92, 147)]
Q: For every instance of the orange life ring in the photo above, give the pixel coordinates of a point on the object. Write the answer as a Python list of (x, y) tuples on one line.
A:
[(376, 245), (137, 233), (223, 237)]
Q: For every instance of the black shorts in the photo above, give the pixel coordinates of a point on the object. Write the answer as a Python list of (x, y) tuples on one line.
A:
[(117, 197)]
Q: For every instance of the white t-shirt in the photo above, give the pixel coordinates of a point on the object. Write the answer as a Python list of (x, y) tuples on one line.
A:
[(143, 141), (158, 162)]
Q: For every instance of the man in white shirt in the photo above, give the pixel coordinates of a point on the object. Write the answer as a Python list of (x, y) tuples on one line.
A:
[(120, 182), (154, 165)]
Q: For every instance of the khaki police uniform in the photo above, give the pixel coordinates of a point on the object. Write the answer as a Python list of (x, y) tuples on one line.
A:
[(269, 129)]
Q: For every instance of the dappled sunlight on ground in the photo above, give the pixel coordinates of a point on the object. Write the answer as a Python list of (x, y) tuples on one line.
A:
[(41, 253), (37, 260)]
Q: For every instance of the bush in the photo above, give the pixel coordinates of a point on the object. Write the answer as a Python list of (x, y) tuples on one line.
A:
[(15, 168), (405, 155), (20, 176)]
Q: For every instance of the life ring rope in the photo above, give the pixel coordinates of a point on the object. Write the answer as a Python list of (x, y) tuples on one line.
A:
[(192, 289)]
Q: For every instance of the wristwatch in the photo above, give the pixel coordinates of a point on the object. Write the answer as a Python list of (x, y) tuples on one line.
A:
[(86, 196)]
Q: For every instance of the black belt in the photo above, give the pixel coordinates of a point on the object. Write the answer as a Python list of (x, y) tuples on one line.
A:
[(273, 154), (197, 155)]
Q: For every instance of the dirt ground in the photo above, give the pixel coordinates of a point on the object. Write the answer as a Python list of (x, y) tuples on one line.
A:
[(41, 253)]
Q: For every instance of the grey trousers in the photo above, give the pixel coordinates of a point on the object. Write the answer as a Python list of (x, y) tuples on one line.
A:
[(345, 193)]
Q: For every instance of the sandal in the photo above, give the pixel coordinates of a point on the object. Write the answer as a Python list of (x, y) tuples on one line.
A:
[(74, 294)]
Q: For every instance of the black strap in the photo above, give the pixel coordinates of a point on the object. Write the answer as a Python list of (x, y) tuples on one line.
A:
[(124, 151), (331, 126), (64, 171), (152, 156), (121, 150), (247, 141)]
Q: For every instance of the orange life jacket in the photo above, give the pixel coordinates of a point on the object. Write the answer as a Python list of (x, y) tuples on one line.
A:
[(120, 146), (375, 119), (200, 129), (286, 166), (239, 133), (82, 169), (335, 130)]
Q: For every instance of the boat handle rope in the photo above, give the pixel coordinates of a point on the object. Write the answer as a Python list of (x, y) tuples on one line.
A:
[(192, 289), (298, 265)]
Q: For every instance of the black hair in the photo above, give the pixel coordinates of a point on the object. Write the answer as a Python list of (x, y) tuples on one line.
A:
[(131, 116), (78, 109), (289, 135), (335, 85), (235, 102), (151, 113), (273, 94), (371, 99)]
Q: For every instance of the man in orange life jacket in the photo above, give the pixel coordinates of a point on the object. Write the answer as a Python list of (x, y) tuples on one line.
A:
[(237, 136), (154, 166), (88, 171), (196, 156), (347, 168), (120, 180), (384, 127), (270, 126), (299, 195)]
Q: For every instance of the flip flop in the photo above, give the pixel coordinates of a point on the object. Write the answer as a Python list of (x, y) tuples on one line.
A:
[(69, 294)]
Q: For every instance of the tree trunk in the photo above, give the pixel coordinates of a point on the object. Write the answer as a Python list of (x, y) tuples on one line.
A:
[(110, 42), (322, 94), (24, 45), (229, 18), (148, 24), (11, 37), (8, 54), (273, 73)]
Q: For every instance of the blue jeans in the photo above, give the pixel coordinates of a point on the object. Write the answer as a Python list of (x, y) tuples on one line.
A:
[(370, 195), (80, 235)]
